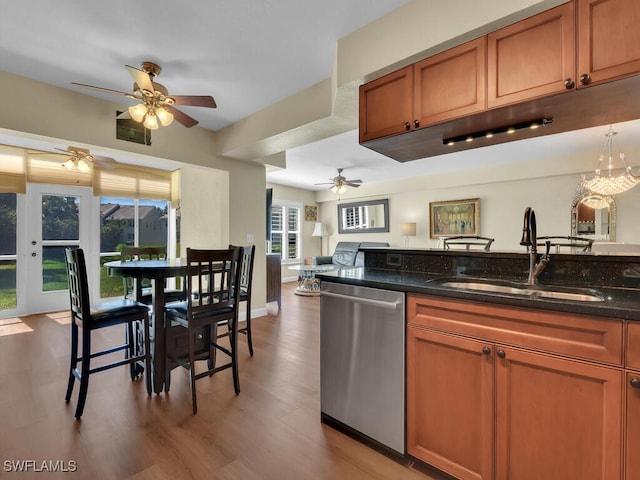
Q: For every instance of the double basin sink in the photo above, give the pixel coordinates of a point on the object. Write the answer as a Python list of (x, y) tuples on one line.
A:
[(525, 290)]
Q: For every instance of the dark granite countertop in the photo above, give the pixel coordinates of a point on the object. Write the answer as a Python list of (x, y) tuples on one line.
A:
[(619, 302)]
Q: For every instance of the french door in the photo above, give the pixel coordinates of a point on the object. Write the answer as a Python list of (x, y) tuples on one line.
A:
[(57, 217)]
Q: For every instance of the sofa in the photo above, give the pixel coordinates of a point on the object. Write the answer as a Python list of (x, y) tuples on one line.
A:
[(347, 254)]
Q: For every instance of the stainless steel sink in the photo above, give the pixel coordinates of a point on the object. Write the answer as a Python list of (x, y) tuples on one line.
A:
[(573, 296), (487, 287), (522, 289)]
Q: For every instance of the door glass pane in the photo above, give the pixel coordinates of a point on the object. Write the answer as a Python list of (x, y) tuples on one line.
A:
[(8, 299), (60, 218), (60, 222), (54, 269)]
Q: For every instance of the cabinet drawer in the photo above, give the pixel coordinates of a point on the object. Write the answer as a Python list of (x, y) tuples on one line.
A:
[(589, 338), (633, 345)]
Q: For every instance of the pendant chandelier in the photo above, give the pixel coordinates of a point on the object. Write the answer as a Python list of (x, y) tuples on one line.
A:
[(610, 184)]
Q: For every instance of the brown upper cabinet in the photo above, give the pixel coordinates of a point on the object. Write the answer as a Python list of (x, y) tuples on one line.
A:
[(532, 58), (448, 85), (574, 45), (386, 105), (608, 39)]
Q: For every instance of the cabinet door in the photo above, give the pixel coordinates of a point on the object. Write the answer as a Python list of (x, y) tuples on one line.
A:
[(531, 58), (632, 446), (449, 403), (556, 418), (386, 105), (608, 39), (633, 345), (451, 84)]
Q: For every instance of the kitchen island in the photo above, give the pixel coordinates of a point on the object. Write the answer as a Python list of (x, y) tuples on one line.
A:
[(504, 385)]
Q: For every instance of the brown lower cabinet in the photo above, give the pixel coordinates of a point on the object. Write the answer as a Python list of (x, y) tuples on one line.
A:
[(481, 408), (632, 433)]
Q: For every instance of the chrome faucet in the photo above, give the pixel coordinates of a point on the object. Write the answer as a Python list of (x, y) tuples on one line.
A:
[(529, 238)]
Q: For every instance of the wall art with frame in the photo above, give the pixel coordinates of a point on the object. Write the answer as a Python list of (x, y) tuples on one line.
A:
[(454, 217)]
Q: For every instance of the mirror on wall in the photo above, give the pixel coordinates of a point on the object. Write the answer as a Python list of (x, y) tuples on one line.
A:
[(593, 216), (364, 217)]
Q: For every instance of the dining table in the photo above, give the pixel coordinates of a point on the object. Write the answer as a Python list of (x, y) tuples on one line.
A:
[(157, 271)]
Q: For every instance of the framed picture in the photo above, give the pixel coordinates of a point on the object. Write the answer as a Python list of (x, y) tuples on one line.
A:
[(310, 213), (454, 217)]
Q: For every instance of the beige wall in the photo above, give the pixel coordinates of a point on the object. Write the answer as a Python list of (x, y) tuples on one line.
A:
[(223, 199)]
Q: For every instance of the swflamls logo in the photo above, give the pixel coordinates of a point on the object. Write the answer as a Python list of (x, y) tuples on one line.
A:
[(64, 466)]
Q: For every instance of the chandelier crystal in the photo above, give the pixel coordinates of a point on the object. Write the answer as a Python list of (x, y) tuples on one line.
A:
[(610, 184)]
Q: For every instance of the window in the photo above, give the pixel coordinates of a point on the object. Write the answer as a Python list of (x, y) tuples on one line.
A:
[(128, 221), (286, 238)]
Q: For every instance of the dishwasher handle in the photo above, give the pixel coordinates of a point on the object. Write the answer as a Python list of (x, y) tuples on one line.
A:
[(364, 300)]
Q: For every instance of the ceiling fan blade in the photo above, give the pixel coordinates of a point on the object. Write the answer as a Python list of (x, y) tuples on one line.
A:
[(103, 90), (195, 100), (183, 118), (354, 181), (141, 78), (105, 162), (349, 184), (324, 183)]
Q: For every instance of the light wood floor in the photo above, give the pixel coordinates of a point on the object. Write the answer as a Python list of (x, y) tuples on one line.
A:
[(272, 430)]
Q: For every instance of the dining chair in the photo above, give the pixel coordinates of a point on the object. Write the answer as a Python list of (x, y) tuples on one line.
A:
[(141, 290), (574, 244), (246, 279), (93, 317), (212, 283), (468, 242)]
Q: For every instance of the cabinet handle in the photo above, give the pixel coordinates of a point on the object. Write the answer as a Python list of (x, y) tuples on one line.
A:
[(407, 125), (585, 79), (486, 350), (416, 123), (569, 83), (501, 353), (635, 382)]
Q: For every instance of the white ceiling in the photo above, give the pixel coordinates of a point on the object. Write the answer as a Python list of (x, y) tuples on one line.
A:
[(247, 54)]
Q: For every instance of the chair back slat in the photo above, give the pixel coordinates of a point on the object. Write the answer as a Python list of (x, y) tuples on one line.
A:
[(78, 284), (246, 268), (212, 280)]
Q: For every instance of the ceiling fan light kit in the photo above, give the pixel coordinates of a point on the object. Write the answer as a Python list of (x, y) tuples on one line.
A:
[(156, 107), (339, 183)]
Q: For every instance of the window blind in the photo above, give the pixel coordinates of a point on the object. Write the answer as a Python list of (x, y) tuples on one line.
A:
[(19, 166)]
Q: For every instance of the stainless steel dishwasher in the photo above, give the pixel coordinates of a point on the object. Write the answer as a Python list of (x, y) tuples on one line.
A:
[(362, 358)]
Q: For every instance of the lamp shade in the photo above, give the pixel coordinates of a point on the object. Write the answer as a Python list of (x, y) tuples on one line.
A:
[(408, 229), (319, 230)]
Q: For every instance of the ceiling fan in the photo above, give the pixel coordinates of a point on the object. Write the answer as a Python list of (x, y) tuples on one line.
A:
[(156, 103), (340, 183), (80, 158)]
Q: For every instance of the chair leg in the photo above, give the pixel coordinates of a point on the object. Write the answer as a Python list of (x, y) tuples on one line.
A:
[(86, 366), (147, 355), (74, 360), (132, 350), (233, 342), (192, 373), (248, 329)]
